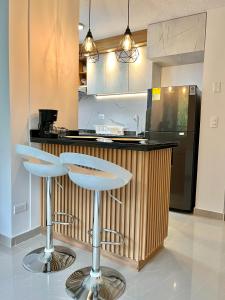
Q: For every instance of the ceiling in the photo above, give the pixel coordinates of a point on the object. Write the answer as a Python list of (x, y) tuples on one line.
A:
[(109, 17)]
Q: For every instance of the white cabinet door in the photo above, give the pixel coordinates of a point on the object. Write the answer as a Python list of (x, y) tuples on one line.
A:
[(177, 36), (96, 77), (116, 75), (108, 76), (140, 73)]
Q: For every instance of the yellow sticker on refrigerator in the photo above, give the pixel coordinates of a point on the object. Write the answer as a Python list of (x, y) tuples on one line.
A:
[(156, 94)]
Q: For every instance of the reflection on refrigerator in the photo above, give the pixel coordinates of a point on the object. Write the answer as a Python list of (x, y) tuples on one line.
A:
[(173, 114)]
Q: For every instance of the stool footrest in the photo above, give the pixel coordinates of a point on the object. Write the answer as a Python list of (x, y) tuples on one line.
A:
[(70, 218), (114, 198), (121, 237)]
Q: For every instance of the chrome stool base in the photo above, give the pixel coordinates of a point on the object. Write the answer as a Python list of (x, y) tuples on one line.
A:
[(38, 261), (111, 285)]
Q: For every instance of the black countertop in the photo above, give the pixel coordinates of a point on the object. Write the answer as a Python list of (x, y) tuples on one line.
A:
[(149, 146)]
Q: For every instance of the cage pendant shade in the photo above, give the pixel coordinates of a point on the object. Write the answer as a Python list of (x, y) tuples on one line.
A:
[(127, 52), (128, 57), (89, 49)]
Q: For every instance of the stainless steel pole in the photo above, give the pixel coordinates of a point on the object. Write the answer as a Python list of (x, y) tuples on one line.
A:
[(49, 226), (96, 239)]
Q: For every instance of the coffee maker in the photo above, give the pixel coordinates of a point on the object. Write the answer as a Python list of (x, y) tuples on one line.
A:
[(47, 117)]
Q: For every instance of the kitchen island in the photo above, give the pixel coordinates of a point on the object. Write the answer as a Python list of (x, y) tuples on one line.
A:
[(143, 215)]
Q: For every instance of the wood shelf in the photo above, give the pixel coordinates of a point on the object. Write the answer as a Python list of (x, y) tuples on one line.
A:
[(82, 73), (83, 59)]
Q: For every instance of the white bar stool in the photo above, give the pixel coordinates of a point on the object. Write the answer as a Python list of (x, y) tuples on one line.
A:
[(49, 258), (96, 174)]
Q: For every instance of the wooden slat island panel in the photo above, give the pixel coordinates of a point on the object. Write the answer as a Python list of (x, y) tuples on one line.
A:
[(143, 216)]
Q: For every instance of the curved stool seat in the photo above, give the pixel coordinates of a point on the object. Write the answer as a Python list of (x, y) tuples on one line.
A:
[(49, 258), (94, 173), (95, 282)]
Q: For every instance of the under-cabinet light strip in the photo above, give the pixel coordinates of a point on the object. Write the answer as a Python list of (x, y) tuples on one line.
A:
[(113, 96)]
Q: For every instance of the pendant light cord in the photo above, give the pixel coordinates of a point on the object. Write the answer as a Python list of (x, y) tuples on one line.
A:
[(128, 8), (89, 14)]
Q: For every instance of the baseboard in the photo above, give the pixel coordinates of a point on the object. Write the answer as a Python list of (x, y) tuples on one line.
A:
[(5, 241), (208, 214), (10, 242)]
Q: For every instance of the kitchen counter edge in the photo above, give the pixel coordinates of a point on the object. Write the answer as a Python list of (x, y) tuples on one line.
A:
[(152, 145)]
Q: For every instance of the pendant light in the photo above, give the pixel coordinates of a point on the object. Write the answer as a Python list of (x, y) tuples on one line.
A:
[(127, 52), (88, 48)]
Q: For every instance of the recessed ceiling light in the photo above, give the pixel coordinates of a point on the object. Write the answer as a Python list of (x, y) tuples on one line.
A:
[(80, 26)]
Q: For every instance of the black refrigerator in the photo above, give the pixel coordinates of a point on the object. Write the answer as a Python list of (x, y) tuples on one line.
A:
[(173, 114)]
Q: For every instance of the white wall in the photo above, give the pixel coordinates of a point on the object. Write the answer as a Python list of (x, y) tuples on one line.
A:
[(53, 66), (117, 110), (211, 167), (5, 175), (19, 109), (182, 75)]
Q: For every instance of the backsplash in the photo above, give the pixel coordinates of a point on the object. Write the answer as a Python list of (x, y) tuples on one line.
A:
[(116, 110)]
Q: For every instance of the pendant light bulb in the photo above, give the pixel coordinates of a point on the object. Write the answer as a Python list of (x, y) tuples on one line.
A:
[(88, 44), (127, 42)]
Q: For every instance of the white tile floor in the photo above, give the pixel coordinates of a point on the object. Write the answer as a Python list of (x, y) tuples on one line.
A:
[(191, 267)]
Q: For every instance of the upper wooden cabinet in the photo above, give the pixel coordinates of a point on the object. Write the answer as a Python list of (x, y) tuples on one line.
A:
[(108, 76)]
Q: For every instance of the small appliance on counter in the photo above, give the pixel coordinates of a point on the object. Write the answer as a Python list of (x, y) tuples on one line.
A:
[(46, 128), (109, 129), (173, 114), (47, 117)]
